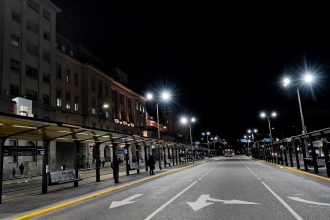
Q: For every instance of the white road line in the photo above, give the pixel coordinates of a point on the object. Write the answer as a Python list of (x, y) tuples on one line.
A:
[(199, 178), (259, 178), (169, 202), (283, 202)]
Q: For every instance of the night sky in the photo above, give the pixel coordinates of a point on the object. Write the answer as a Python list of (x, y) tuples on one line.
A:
[(224, 60)]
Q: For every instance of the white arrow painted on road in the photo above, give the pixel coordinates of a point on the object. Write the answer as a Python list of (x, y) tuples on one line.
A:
[(126, 201), (308, 202), (202, 202)]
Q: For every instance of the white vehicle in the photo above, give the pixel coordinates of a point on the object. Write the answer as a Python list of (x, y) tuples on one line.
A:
[(229, 153)]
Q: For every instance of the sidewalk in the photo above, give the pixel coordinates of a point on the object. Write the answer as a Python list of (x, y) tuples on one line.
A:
[(14, 204)]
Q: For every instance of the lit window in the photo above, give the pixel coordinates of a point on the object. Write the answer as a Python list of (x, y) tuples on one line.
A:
[(58, 102), (93, 111), (76, 107), (107, 114), (15, 41)]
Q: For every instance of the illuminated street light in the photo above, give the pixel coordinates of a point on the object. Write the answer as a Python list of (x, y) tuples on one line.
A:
[(265, 115), (185, 120), (308, 78), (286, 81), (105, 106), (149, 96), (164, 96)]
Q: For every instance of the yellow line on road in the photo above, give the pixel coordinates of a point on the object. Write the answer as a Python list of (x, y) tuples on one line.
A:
[(57, 207), (326, 179)]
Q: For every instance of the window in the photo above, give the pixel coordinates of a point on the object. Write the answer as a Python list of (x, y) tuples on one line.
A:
[(76, 105), (59, 71), (63, 48), (68, 105), (32, 27), (107, 114), (46, 35), (30, 94), (31, 72), (33, 5), (16, 17), (58, 98), (106, 90), (76, 79), (15, 40), (122, 99), (137, 106), (45, 99), (14, 90), (32, 49), (46, 78), (93, 85), (68, 75), (15, 66), (47, 15), (46, 56)]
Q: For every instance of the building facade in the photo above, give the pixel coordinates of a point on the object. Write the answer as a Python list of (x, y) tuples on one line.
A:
[(62, 82)]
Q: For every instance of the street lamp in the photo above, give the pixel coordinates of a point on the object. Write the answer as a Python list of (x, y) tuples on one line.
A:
[(164, 96), (184, 120), (308, 78), (268, 116), (207, 138), (251, 131)]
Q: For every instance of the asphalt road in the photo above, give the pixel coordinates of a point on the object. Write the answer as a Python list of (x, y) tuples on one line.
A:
[(223, 188)]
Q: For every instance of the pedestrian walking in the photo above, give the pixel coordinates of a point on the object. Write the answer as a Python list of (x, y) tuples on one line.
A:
[(21, 168), (103, 162), (151, 163)]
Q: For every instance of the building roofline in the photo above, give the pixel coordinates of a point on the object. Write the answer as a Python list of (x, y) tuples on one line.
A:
[(120, 85), (51, 5)]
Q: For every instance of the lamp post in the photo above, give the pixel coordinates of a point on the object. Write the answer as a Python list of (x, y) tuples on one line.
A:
[(308, 78), (165, 96), (207, 139), (268, 116), (251, 131), (184, 120)]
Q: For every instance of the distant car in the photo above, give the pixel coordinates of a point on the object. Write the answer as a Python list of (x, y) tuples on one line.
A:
[(229, 153)]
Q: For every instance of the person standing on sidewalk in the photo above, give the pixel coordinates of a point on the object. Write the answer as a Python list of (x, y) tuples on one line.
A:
[(115, 169), (21, 168), (151, 163)]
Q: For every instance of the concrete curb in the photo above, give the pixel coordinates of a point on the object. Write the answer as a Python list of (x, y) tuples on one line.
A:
[(326, 179), (59, 206)]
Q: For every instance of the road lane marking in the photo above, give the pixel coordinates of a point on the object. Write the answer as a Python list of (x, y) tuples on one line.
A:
[(282, 201), (201, 202), (199, 178), (309, 202), (169, 202), (126, 201)]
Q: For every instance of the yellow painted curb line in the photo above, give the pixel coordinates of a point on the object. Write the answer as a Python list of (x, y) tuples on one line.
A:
[(95, 195), (326, 179)]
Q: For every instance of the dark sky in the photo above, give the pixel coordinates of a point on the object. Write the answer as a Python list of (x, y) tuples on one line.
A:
[(224, 59)]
